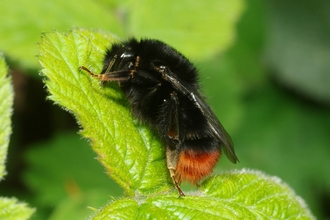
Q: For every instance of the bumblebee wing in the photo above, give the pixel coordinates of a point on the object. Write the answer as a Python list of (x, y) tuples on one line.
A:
[(217, 129)]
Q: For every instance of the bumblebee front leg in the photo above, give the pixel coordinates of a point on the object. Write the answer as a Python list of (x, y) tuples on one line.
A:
[(117, 76)]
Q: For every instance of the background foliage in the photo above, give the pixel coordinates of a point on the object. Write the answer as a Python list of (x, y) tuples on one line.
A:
[(10, 208), (267, 83)]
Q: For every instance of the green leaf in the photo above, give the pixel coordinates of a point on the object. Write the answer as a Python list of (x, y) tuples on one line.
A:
[(298, 46), (256, 195), (121, 209), (10, 208), (6, 102), (234, 195), (195, 28), (129, 152)]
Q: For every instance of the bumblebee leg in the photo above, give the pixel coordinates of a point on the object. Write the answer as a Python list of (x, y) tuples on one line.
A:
[(173, 148), (117, 76), (90, 72), (171, 159)]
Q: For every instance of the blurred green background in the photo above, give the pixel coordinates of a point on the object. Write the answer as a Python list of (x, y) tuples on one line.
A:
[(264, 66)]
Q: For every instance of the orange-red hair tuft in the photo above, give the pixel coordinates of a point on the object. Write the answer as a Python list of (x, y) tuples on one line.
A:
[(193, 166)]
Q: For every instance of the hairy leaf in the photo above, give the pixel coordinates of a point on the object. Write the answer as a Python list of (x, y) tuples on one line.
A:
[(6, 102), (11, 209), (234, 195)]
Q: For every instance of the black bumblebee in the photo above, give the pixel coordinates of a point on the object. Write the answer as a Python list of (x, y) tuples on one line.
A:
[(162, 88)]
